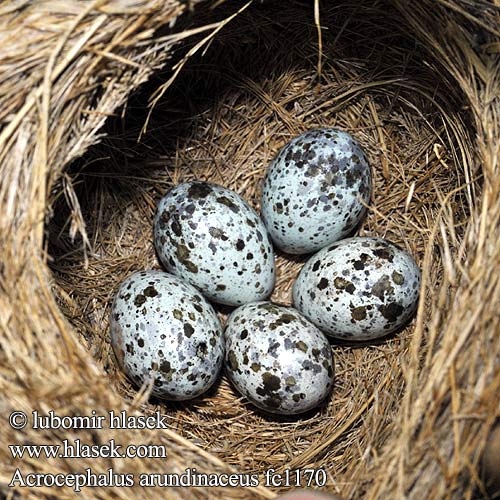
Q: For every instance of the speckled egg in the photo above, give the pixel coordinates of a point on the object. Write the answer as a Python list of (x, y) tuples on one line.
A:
[(313, 190), (277, 359), (358, 289), (162, 329), (212, 238)]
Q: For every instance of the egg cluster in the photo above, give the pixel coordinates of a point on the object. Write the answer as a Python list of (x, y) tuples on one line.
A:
[(215, 247)]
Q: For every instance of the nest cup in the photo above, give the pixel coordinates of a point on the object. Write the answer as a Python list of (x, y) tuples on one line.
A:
[(119, 103)]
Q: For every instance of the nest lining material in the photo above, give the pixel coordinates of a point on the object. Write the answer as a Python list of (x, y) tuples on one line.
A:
[(419, 89)]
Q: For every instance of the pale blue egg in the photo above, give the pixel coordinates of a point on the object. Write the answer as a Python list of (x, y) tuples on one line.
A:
[(358, 289), (164, 331), (278, 359), (314, 190), (210, 237)]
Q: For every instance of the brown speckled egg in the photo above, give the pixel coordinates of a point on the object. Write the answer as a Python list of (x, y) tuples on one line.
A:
[(314, 190), (358, 289), (210, 237), (277, 359), (162, 329)]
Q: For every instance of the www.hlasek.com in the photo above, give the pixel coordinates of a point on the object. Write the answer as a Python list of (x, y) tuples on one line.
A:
[(69, 449), (77, 449)]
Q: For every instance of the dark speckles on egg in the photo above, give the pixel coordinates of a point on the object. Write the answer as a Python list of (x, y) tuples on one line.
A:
[(150, 291), (188, 329), (384, 253), (375, 289), (382, 287), (139, 299), (183, 256), (398, 278), (162, 329), (327, 173), (344, 284), (323, 283), (228, 202), (197, 190), (391, 311), (358, 313), (176, 227), (232, 360), (272, 383), (215, 235), (289, 361)]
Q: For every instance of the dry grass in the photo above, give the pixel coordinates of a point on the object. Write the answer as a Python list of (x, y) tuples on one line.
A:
[(84, 162)]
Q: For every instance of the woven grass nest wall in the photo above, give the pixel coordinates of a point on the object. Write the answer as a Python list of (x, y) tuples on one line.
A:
[(104, 105)]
